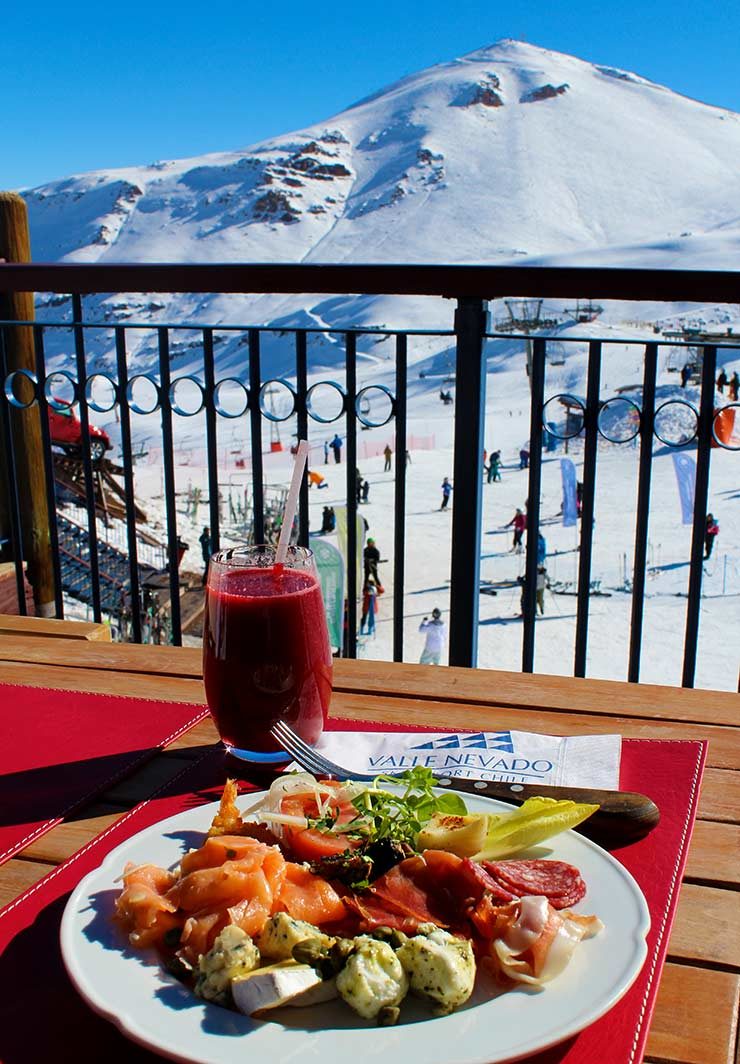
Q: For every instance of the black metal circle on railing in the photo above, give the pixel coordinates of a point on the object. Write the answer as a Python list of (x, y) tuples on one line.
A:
[(575, 414), (139, 383), (225, 390), (363, 406), (335, 389), (619, 420), (727, 420), (9, 388), (190, 385), (676, 422), (60, 390), (274, 397), (94, 383)]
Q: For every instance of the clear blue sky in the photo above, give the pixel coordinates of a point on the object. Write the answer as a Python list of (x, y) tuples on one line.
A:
[(91, 86)]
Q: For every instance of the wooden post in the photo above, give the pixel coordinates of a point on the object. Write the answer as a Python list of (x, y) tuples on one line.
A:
[(15, 246)]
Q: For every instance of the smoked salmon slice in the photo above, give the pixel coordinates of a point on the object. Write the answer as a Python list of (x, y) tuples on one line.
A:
[(305, 896), (215, 851), (143, 906)]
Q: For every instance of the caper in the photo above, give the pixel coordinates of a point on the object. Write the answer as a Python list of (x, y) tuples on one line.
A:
[(398, 939), (383, 933), (340, 952), (310, 951), (326, 968)]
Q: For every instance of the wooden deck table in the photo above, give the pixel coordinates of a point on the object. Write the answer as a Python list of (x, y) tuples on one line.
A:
[(696, 1017)]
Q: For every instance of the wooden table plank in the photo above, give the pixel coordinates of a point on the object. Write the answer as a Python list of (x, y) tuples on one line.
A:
[(714, 855), (184, 662), (517, 689), (595, 697), (105, 682), (18, 875), (707, 927), (695, 1019), (46, 627), (65, 839), (720, 794), (202, 734)]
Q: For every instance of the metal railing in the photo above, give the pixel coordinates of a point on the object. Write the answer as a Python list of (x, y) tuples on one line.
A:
[(470, 334)]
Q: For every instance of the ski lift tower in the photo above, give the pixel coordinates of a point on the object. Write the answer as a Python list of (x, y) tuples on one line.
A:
[(585, 310), (275, 441), (525, 315)]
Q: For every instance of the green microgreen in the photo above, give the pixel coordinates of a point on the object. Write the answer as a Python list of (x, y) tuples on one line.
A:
[(323, 823), (383, 814)]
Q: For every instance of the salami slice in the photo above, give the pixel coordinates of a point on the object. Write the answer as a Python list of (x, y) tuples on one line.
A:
[(478, 881), (557, 881)]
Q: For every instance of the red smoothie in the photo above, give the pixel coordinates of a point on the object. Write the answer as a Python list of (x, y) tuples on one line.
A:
[(266, 655)]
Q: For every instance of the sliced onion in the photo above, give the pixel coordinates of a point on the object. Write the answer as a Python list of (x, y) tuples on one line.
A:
[(268, 808), (270, 816), (350, 790)]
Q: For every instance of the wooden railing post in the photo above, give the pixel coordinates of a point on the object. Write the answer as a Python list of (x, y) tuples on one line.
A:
[(15, 246)]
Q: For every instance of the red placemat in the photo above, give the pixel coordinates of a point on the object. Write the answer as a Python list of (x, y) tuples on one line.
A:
[(60, 748), (668, 771)]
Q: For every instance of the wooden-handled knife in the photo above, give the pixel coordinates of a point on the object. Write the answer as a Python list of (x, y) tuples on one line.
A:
[(622, 816)]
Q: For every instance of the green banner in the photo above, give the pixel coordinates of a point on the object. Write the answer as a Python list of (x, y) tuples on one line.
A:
[(340, 513), (330, 567)]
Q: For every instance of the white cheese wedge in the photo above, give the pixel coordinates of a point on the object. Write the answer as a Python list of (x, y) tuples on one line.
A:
[(268, 988), (326, 990)]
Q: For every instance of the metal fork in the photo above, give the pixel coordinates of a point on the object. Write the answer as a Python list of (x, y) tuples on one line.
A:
[(311, 759)]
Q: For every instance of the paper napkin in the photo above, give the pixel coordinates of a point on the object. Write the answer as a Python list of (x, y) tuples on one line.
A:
[(513, 756)]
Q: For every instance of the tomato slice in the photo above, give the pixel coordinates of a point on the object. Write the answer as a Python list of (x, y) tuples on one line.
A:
[(311, 844)]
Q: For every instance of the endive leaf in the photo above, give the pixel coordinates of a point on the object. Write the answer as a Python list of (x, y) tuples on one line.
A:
[(533, 822)]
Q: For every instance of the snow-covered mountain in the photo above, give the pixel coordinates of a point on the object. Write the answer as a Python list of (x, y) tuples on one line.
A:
[(510, 151), (510, 154)]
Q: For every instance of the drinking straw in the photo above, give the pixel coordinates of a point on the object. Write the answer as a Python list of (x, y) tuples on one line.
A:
[(291, 503)]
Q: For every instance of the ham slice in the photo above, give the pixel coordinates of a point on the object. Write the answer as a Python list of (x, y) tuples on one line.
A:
[(533, 942)]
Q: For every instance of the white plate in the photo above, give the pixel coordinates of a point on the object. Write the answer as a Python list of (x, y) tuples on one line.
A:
[(131, 989)]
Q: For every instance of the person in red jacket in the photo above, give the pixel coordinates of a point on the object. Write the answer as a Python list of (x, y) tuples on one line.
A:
[(519, 521), (710, 534)]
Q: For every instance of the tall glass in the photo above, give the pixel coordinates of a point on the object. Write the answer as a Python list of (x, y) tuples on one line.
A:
[(266, 654)]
